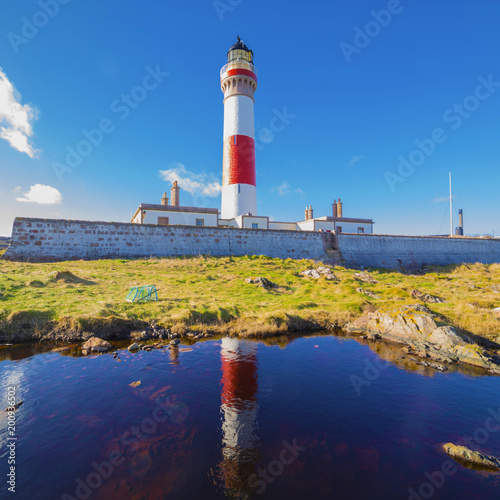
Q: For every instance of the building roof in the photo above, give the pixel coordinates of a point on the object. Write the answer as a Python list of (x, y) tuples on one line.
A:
[(343, 219), (172, 208), (239, 45)]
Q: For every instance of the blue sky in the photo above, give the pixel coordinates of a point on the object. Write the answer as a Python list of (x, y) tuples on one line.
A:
[(356, 85)]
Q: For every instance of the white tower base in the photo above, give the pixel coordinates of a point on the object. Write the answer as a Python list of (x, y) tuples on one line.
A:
[(238, 199)]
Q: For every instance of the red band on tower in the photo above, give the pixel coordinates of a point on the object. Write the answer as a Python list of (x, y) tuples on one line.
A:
[(239, 160), (240, 71)]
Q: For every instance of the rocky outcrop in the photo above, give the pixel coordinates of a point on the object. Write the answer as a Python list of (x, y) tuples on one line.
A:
[(463, 454), (262, 282), (416, 328), (368, 293), (365, 277), (317, 273), (425, 297), (95, 344)]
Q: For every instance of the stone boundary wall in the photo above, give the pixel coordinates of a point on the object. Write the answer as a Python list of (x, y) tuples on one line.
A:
[(55, 240), (409, 252)]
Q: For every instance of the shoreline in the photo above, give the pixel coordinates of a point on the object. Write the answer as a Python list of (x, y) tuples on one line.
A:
[(250, 297)]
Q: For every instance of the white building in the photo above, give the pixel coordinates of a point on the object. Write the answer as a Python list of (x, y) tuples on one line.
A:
[(239, 198), (174, 214)]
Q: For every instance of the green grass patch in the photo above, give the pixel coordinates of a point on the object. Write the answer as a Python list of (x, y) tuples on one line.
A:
[(211, 293)]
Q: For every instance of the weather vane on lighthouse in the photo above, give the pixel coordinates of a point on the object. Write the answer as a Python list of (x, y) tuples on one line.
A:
[(239, 83)]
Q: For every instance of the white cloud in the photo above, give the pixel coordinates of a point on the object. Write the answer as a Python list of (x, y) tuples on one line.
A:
[(202, 183), (355, 159), (43, 195), (16, 119), (285, 189), (282, 190)]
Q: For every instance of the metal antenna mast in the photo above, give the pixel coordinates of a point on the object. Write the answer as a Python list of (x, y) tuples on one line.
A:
[(451, 211)]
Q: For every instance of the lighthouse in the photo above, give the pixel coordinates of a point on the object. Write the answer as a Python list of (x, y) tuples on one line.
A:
[(239, 83)]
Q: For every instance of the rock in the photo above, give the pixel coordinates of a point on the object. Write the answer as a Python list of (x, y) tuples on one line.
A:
[(13, 407), (374, 336), (359, 325), (95, 344), (368, 293), (133, 347), (464, 454), (175, 342), (425, 297), (317, 273), (447, 336), (496, 310), (365, 277), (402, 324), (420, 308), (420, 332), (262, 282)]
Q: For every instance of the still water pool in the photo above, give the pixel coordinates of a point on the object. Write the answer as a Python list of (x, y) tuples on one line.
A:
[(312, 418)]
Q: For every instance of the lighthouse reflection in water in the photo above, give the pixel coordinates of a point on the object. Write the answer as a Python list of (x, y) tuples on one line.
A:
[(239, 410)]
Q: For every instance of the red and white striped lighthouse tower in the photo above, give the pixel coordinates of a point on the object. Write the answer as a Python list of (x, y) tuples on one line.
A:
[(239, 83)]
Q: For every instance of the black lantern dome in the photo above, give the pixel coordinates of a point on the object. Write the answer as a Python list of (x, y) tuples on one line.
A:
[(239, 52)]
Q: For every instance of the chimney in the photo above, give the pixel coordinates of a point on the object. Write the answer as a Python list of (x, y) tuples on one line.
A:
[(334, 208), (311, 212), (306, 213), (459, 231), (174, 195), (164, 200), (339, 209)]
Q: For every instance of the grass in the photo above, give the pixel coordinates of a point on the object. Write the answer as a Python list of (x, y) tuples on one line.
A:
[(209, 294)]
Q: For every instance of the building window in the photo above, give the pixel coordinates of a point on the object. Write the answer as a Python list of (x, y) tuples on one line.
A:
[(163, 221), (361, 230), (200, 222), (339, 229), (255, 225)]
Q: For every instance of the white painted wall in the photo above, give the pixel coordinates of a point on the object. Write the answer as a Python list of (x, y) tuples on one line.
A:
[(245, 222), (347, 227), (307, 225), (242, 202), (180, 218)]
